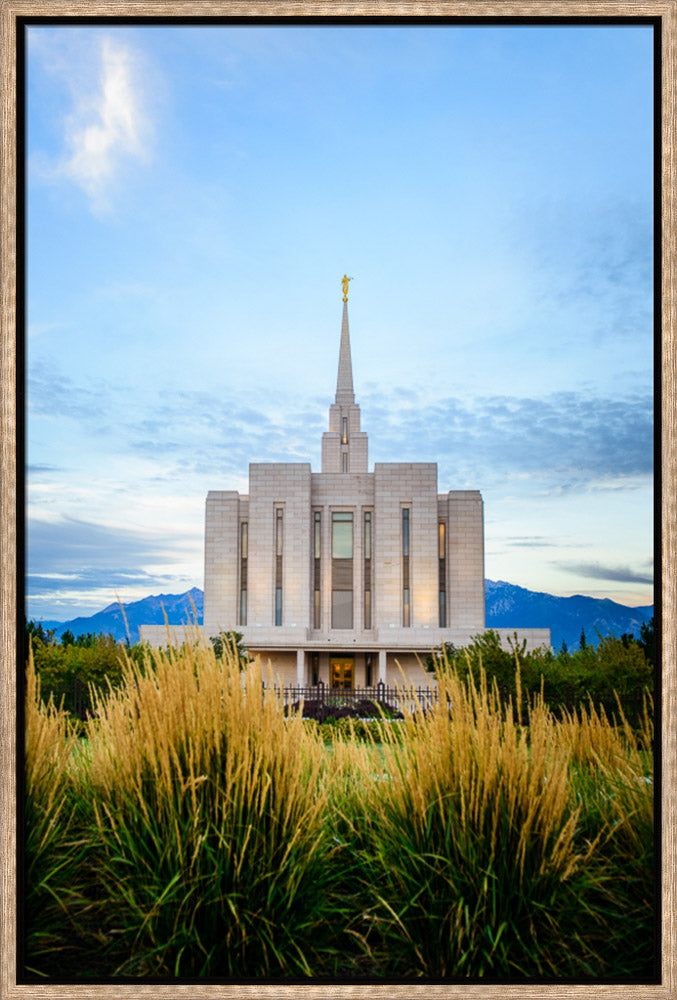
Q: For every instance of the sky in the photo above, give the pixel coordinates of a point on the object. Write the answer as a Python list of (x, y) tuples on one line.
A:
[(194, 195)]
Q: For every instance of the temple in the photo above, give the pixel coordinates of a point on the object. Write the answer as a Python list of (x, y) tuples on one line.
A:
[(345, 576)]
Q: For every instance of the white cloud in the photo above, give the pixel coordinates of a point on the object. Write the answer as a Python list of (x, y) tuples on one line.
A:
[(108, 126)]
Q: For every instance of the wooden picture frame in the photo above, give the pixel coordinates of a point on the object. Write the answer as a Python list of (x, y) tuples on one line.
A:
[(12, 13)]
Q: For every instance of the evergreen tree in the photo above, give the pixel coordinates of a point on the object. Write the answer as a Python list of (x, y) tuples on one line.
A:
[(647, 641)]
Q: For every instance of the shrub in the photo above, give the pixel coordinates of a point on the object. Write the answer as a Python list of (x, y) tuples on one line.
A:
[(482, 856), (614, 669), (232, 642), (69, 672), (336, 706), (365, 730), (209, 812), (54, 848)]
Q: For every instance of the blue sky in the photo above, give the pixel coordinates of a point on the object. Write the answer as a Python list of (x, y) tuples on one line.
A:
[(194, 196)]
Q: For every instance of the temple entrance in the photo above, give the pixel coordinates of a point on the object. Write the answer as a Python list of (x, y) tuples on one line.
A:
[(342, 673)]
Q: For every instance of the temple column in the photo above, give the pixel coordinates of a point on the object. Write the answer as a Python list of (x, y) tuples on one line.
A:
[(300, 667), (382, 668)]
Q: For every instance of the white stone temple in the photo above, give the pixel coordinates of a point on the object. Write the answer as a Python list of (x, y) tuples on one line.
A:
[(345, 576)]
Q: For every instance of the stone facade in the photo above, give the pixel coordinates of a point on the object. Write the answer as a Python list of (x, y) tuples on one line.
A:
[(345, 576)]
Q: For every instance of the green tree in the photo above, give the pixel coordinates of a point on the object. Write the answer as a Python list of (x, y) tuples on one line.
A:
[(446, 651), (484, 649), (615, 668), (647, 641), (37, 634), (230, 640), (86, 639), (66, 672)]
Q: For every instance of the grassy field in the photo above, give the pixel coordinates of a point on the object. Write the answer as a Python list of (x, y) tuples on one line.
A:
[(195, 831)]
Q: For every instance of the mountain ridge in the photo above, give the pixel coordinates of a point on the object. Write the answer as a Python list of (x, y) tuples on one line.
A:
[(507, 606), (511, 606)]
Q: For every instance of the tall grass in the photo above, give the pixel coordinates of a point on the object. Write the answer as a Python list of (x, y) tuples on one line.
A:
[(612, 777), (207, 802), (488, 852), (54, 849), (225, 839)]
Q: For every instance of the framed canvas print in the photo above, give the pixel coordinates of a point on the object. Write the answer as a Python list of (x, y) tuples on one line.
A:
[(338, 591)]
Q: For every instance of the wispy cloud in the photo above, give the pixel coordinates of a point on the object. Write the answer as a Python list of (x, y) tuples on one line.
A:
[(553, 444), (78, 566), (82, 550), (53, 394), (596, 571), (531, 542), (565, 440), (108, 125), (599, 266), (42, 469), (48, 584), (561, 441)]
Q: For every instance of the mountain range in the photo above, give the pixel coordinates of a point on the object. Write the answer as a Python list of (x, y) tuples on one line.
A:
[(507, 606), (148, 611)]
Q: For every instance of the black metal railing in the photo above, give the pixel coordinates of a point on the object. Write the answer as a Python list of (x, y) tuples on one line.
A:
[(322, 700)]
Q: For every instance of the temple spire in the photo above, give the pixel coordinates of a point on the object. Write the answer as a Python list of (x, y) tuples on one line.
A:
[(344, 445), (344, 383)]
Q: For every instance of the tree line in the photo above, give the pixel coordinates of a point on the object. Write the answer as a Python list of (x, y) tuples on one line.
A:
[(614, 669)]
